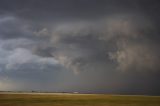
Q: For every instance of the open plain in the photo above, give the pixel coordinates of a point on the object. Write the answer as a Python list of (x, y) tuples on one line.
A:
[(67, 99)]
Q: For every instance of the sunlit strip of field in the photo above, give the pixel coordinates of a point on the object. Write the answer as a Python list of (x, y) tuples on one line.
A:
[(68, 99)]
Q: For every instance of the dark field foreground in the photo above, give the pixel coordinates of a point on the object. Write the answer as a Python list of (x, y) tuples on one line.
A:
[(76, 100)]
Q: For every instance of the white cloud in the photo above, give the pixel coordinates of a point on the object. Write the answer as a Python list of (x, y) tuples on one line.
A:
[(21, 56), (14, 54)]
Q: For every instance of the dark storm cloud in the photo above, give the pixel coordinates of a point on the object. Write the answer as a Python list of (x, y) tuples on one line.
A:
[(109, 44), (54, 10), (94, 42)]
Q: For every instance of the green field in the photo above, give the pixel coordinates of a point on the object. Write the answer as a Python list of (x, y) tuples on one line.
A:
[(77, 100)]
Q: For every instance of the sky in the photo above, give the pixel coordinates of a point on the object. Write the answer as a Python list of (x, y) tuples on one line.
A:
[(88, 46)]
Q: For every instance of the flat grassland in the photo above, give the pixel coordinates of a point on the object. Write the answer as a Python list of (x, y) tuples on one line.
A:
[(24, 99)]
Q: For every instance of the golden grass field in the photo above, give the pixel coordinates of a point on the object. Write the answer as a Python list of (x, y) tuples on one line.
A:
[(28, 99)]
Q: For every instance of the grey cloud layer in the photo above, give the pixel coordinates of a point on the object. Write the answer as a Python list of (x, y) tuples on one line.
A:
[(108, 42), (12, 27)]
